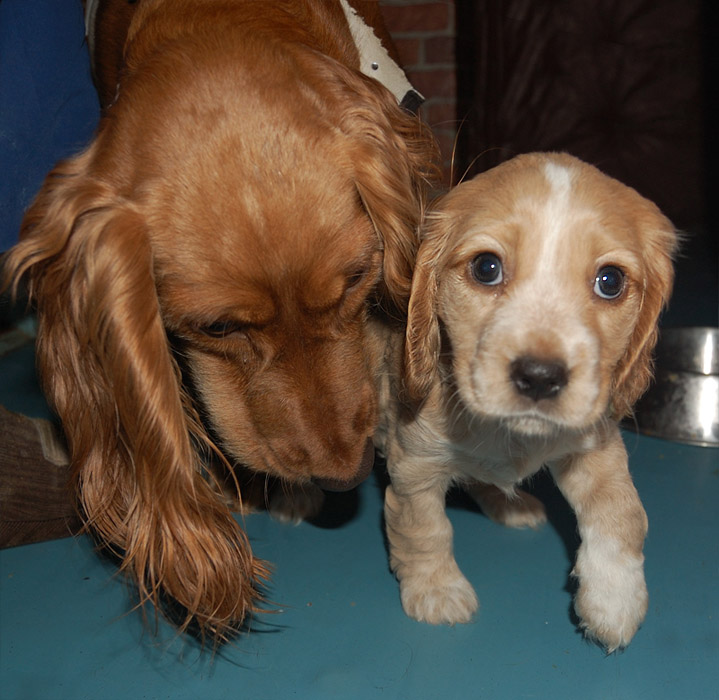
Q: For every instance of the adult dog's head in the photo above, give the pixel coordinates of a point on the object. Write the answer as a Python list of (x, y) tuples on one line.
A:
[(548, 278), (202, 274)]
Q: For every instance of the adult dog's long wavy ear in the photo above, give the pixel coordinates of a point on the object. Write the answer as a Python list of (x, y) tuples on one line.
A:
[(394, 159), (107, 369)]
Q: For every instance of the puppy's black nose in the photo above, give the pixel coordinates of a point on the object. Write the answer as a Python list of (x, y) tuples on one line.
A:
[(538, 379)]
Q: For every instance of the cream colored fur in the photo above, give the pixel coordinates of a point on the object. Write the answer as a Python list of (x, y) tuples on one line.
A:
[(453, 410)]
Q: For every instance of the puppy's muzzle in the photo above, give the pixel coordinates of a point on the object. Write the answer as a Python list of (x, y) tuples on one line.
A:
[(538, 379), (363, 471)]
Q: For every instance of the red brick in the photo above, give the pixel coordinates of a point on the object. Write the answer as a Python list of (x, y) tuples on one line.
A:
[(434, 83), (429, 17), (441, 114), (409, 51), (438, 49), (445, 140)]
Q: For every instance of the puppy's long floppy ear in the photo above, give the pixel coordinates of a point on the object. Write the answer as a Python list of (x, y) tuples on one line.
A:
[(422, 340), (106, 367), (395, 163), (659, 243)]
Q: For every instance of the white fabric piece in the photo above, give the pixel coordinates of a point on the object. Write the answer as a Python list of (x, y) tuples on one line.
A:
[(374, 59)]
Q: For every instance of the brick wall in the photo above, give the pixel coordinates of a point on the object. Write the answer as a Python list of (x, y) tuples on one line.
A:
[(424, 31)]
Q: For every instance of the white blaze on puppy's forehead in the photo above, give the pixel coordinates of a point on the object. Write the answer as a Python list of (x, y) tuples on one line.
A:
[(555, 210), (560, 178)]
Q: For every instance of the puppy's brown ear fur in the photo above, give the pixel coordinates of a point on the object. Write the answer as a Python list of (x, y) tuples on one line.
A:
[(107, 369), (659, 243), (422, 341)]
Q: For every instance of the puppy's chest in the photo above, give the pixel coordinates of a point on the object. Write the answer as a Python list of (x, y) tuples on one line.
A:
[(489, 453)]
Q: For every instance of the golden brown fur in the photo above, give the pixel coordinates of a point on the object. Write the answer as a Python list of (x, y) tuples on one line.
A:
[(202, 274), (523, 363)]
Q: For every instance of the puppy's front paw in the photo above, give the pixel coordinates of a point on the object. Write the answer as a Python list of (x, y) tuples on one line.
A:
[(293, 504), (612, 600), (439, 599), (611, 619)]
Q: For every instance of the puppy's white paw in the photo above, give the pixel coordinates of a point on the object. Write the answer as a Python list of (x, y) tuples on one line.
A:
[(611, 620), (612, 599), (439, 599), (293, 504)]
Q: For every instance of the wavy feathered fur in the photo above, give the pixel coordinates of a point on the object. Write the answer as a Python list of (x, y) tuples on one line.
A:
[(216, 195)]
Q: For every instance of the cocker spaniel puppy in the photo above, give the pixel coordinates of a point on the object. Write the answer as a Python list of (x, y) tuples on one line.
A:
[(531, 325), (203, 272)]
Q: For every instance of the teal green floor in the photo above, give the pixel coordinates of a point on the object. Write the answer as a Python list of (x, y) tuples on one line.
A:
[(337, 630), (67, 626)]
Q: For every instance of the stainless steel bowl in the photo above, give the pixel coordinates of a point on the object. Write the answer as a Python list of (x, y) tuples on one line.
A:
[(682, 404)]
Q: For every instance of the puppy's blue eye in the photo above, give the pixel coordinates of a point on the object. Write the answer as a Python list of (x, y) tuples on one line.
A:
[(609, 282), (486, 268)]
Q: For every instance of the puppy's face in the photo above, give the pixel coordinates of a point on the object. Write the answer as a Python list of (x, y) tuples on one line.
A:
[(547, 269)]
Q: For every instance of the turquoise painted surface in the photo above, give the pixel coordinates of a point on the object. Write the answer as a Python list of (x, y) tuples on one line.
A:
[(338, 630)]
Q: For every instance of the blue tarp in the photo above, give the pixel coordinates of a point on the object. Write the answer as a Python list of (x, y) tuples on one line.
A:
[(48, 105)]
